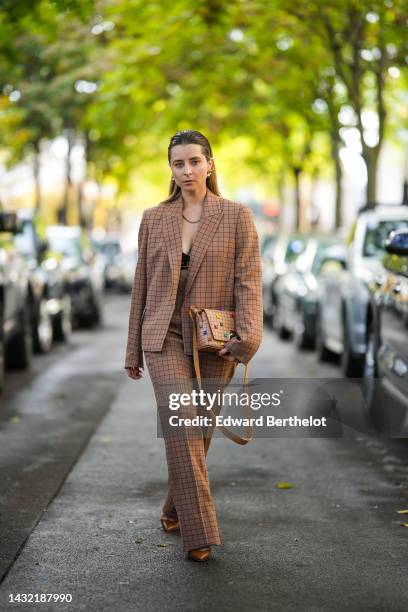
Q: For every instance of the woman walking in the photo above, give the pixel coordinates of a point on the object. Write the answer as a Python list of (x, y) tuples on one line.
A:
[(195, 247)]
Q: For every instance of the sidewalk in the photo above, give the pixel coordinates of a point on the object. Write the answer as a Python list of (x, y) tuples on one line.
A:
[(332, 542)]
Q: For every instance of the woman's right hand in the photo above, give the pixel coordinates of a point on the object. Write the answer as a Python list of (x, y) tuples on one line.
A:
[(135, 373)]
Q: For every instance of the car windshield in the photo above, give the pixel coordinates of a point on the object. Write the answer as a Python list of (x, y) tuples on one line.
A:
[(67, 245), (319, 257), (377, 233), (108, 248), (267, 244), (24, 240)]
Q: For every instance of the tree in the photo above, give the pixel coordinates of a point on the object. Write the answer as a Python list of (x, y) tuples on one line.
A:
[(364, 38)]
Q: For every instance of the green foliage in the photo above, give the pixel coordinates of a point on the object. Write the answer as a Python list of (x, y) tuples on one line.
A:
[(275, 72)]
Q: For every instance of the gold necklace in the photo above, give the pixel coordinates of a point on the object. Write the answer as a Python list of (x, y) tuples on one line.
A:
[(182, 199)]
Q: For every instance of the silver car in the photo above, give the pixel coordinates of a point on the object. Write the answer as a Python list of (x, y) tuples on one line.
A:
[(276, 257), (344, 295)]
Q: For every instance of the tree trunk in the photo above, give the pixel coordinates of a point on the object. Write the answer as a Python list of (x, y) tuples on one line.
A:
[(80, 191), (339, 186), (405, 182), (36, 173), (370, 156), (63, 211), (281, 192), (405, 193), (313, 212), (296, 173), (80, 200)]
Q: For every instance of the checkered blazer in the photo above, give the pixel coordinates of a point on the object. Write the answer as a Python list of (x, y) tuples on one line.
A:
[(224, 272)]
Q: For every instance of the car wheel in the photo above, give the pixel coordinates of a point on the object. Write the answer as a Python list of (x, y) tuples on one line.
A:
[(301, 339), (374, 400), (267, 320), (19, 351), (278, 324), (94, 318), (98, 314), (42, 329), (62, 326), (267, 310), (370, 371), (322, 352), (352, 365), (2, 364), (284, 334)]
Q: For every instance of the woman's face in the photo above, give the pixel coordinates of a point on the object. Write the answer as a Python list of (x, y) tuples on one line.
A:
[(189, 166)]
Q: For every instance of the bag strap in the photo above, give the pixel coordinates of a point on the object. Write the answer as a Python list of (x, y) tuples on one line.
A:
[(228, 433)]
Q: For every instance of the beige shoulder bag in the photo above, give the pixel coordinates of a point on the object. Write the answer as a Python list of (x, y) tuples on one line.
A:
[(212, 328)]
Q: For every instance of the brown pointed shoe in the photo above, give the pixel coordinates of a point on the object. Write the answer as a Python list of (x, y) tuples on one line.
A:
[(199, 554), (170, 525)]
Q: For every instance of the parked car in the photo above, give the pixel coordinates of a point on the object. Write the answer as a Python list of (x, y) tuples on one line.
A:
[(84, 271), (110, 248), (16, 300), (125, 265), (344, 296), (52, 302), (276, 256), (267, 241), (298, 289), (386, 364)]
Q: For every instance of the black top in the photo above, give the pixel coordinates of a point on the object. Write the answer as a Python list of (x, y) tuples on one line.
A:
[(185, 259)]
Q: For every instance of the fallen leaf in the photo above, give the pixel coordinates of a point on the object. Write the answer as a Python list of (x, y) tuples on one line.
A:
[(284, 485)]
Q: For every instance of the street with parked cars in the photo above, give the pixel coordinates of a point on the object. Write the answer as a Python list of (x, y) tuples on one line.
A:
[(345, 296), (52, 281)]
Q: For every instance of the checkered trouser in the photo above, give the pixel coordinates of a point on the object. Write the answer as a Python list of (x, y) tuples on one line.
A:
[(189, 496)]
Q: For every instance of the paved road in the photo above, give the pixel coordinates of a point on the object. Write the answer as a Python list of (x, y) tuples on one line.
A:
[(84, 476)]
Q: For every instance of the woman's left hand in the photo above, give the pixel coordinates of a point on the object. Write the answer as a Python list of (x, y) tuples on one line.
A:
[(226, 355)]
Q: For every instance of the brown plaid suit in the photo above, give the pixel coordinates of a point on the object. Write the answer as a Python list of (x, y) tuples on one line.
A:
[(225, 273)]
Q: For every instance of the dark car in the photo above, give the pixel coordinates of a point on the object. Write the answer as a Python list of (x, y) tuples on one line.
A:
[(16, 300), (298, 290), (386, 363), (83, 269), (52, 303)]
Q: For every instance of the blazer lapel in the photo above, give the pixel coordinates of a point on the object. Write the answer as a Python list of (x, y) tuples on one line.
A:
[(171, 232), (212, 215), (172, 235)]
